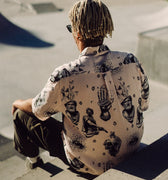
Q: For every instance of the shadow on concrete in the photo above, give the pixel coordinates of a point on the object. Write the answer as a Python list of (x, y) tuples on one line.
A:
[(12, 34), (7, 150), (52, 169), (149, 162), (83, 175)]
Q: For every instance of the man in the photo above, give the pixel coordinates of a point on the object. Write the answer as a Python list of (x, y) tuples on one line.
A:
[(91, 93)]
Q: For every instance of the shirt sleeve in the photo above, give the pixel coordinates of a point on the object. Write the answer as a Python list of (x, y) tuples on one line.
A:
[(46, 103), (144, 100)]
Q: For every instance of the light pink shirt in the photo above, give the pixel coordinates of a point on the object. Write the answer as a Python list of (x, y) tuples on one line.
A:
[(102, 96)]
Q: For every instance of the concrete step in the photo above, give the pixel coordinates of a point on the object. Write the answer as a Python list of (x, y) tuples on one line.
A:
[(50, 171), (12, 168), (150, 162), (114, 174), (53, 168), (163, 176)]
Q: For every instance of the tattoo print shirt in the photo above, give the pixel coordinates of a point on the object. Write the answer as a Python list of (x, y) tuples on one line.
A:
[(102, 96)]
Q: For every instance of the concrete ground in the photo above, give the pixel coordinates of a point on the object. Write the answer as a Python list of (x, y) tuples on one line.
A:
[(24, 70)]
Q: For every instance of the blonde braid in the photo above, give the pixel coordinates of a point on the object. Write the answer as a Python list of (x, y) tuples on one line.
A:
[(91, 19)]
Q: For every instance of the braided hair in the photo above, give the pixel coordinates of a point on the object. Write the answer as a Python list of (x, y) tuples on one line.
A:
[(91, 19)]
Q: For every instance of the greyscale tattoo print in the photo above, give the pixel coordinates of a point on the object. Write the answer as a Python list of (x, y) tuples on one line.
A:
[(113, 144), (145, 88), (66, 72), (139, 121), (77, 143), (71, 112), (90, 127), (130, 58), (129, 110), (40, 99), (59, 75), (133, 140), (104, 103), (76, 164), (69, 94)]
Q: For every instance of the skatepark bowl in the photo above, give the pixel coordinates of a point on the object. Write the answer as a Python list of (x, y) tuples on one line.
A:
[(11, 34)]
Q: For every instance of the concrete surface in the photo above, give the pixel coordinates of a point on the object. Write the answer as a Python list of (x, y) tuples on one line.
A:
[(24, 70), (23, 7), (152, 50), (163, 176), (114, 174), (10, 171)]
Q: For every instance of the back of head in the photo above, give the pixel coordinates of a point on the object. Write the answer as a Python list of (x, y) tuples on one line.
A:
[(91, 19)]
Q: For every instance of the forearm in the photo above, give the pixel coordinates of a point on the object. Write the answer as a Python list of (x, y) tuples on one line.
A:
[(23, 105)]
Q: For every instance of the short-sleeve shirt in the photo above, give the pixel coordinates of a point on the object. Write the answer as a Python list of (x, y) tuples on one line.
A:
[(102, 96)]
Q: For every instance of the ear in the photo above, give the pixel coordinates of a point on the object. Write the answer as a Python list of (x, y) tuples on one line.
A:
[(79, 36)]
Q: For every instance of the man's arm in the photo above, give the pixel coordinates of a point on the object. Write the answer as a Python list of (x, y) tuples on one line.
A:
[(23, 105)]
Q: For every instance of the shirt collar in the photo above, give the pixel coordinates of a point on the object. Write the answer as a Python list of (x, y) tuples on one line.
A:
[(93, 51)]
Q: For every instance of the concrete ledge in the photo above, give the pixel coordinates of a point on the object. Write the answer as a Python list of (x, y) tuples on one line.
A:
[(163, 176), (12, 168), (114, 174), (152, 51), (149, 163)]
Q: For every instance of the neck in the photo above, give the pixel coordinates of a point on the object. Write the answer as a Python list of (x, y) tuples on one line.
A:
[(81, 46)]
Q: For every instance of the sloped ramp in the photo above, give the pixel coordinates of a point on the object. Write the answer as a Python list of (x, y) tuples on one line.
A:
[(11, 34)]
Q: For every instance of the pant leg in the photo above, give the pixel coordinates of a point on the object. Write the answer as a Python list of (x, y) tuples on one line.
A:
[(22, 141), (31, 133)]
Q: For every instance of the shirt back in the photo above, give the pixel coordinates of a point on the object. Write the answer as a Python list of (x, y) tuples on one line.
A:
[(102, 97)]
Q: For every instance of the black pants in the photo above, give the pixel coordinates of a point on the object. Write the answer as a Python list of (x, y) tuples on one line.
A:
[(31, 133)]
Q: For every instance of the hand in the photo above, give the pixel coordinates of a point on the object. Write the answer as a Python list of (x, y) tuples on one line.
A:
[(23, 105), (104, 102), (15, 105)]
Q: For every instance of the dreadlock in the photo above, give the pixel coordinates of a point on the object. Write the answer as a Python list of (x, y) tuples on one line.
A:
[(91, 19)]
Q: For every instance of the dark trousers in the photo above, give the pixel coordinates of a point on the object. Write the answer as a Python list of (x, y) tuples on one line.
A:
[(31, 133)]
